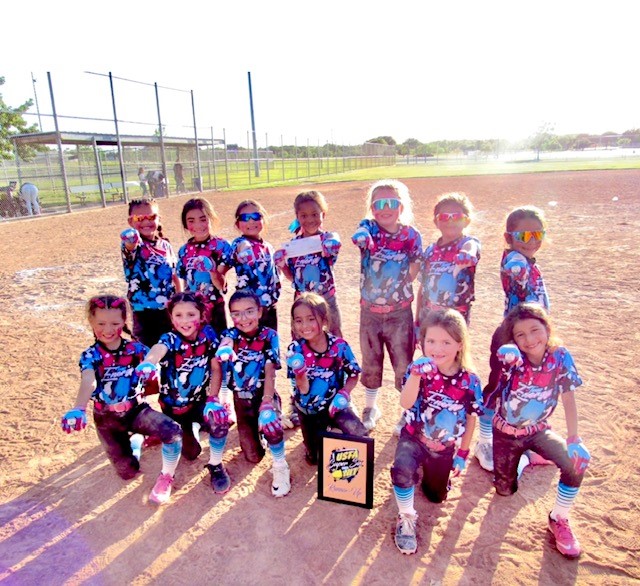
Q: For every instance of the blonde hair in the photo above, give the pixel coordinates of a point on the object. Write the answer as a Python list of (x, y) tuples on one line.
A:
[(452, 322), (402, 191), (460, 199)]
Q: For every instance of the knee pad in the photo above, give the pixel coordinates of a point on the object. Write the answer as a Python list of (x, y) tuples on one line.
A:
[(402, 477), (170, 432)]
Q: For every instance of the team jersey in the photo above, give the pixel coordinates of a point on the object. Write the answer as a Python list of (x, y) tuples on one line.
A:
[(253, 353), (384, 271), (116, 380), (313, 272), (529, 394), (216, 249), (262, 276), (443, 403), (148, 270), (327, 372), (522, 281), (442, 282), (186, 367)]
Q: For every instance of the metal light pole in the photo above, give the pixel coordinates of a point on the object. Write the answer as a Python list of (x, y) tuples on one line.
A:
[(253, 130), (35, 95)]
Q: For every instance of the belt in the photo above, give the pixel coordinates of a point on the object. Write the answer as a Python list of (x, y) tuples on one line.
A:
[(373, 308), (434, 445), (461, 308), (501, 425), (177, 410), (121, 407)]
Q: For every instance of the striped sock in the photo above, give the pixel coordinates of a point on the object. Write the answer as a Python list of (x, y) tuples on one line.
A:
[(404, 500), (564, 501), (277, 452), (171, 457), (485, 428), (225, 395), (370, 396), (216, 449)]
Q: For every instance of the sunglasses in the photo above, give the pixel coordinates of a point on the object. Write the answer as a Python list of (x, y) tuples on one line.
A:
[(108, 302), (247, 314), (451, 217), (526, 235), (143, 217), (255, 216), (379, 204)]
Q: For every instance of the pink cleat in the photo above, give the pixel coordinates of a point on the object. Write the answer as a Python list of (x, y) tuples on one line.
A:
[(161, 492), (566, 543)]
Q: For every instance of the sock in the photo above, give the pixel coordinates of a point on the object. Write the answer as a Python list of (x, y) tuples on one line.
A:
[(564, 501), (485, 428), (277, 452), (522, 464), (171, 457), (225, 395), (370, 396), (404, 500), (136, 440), (216, 449)]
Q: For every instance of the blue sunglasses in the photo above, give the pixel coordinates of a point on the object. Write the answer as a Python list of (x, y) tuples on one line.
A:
[(380, 204), (255, 216)]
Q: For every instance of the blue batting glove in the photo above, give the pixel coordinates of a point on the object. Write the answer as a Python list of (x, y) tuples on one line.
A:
[(459, 462), (330, 243), (423, 367), (245, 255), (74, 420), (296, 363), (339, 402), (362, 239), (579, 454), (225, 354), (280, 257), (464, 259), (130, 236), (214, 413), (203, 264), (509, 355), (147, 371), (268, 421)]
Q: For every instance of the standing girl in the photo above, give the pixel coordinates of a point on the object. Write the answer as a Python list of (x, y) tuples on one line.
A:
[(185, 355), (449, 264), (441, 394), (314, 272), (325, 372), (199, 258), (109, 377), (149, 267), (522, 281), (536, 372), (390, 252), (252, 259), (253, 350)]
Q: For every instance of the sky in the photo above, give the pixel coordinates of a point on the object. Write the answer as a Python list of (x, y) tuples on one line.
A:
[(333, 71)]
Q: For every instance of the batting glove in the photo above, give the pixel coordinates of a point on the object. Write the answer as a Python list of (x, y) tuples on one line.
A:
[(225, 354), (579, 454), (423, 367), (464, 259), (214, 413), (203, 264), (296, 363), (330, 244), (362, 239), (245, 255), (268, 421), (147, 371), (518, 269), (74, 420), (339, 402), (509, 355), (280, 258), (459, 462), (130, 236)]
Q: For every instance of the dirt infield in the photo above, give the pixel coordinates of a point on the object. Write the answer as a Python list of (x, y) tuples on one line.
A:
[(66, 518)]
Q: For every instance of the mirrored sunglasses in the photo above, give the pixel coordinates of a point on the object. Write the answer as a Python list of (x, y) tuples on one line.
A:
[(255, 216), (143, 217), (247, 314), (108, 302), (379, 204), (526, 235), (451, 217)]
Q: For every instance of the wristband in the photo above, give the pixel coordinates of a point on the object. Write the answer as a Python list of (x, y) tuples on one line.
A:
[(464, 454)]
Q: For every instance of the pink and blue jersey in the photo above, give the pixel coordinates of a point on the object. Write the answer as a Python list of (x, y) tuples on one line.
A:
[(216, 249), (327, 372), (384, 271), (186, 367), (442, 282), (148, 270), (116, 380), (529, 394), (443, 403), (313, 272), (522, 281), (261, 276), (253, 353)]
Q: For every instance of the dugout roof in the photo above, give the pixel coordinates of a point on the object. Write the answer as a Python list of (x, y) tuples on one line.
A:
[(86, 138)]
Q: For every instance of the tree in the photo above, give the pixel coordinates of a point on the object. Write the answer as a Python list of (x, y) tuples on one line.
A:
[(543, 139), (12, 122), (383, 140)]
